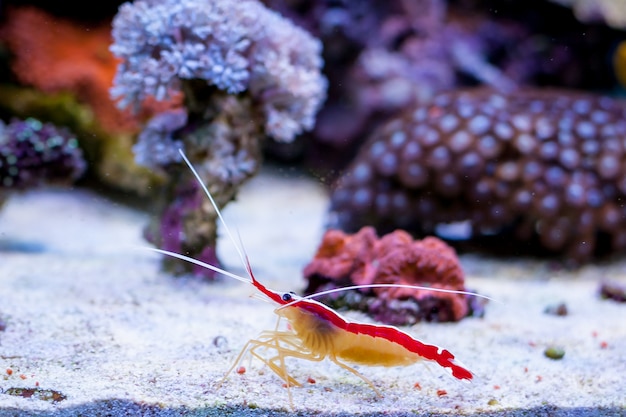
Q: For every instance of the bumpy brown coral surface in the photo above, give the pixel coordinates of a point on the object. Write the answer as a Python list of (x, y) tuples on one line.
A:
[(546, 168), (363, 258)]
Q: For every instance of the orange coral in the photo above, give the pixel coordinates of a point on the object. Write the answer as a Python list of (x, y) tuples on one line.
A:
[(56, 55), (395, 258)]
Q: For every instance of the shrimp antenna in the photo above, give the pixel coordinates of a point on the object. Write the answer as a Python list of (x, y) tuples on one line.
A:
[(208, 266), (357, 287), (240, 251), (199, 263)]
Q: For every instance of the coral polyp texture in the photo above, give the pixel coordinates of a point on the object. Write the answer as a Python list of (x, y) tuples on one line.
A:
[(545, 168), (363, 258), (232, 45), (34, 153), (243, 72)]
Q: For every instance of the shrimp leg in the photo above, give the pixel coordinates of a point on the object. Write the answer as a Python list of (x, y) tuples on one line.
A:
[(355, 372), (299, 353), (273, 341), (276, 340), (280, 369), (251, 347), (277, 363)]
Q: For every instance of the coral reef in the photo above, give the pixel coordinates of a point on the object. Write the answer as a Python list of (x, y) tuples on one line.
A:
[(226, 152), (540, 167), (109, 156), (69, 70), (213, 78), (363, 258), (243, 72), (383, 56), (235, 46), (33, 153)]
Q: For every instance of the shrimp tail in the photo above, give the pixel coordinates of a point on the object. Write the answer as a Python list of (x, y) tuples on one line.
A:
[(444, 358), (448, 362)]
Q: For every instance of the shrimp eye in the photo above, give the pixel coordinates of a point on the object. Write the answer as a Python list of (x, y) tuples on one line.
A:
[(287, 297)]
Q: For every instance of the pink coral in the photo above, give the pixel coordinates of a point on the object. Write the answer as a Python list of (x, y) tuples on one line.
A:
[(341, 255), (363, 258)]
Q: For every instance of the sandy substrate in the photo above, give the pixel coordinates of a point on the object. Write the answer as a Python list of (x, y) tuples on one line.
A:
[(91, 323)]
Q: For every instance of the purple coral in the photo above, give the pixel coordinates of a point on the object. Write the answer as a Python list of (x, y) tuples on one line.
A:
[(384, 56), (33, 153), (537, 166), (232, 45), (243, 72), (224, 147), (173, 230), (156, 145)]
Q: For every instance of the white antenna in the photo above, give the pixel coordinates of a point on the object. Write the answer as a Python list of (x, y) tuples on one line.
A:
[(219, 214), (199, 263)]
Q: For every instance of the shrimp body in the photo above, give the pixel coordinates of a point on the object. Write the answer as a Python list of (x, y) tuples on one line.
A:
[(317, 332), (323, 330)]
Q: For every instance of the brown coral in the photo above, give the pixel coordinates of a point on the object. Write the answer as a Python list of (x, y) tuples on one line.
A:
[(363, 258), (544, 168)]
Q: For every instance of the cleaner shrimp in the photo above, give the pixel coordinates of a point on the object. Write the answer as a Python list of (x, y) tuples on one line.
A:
[(316, 332)]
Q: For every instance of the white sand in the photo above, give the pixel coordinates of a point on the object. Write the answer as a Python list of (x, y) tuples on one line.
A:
[(90, 316)]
